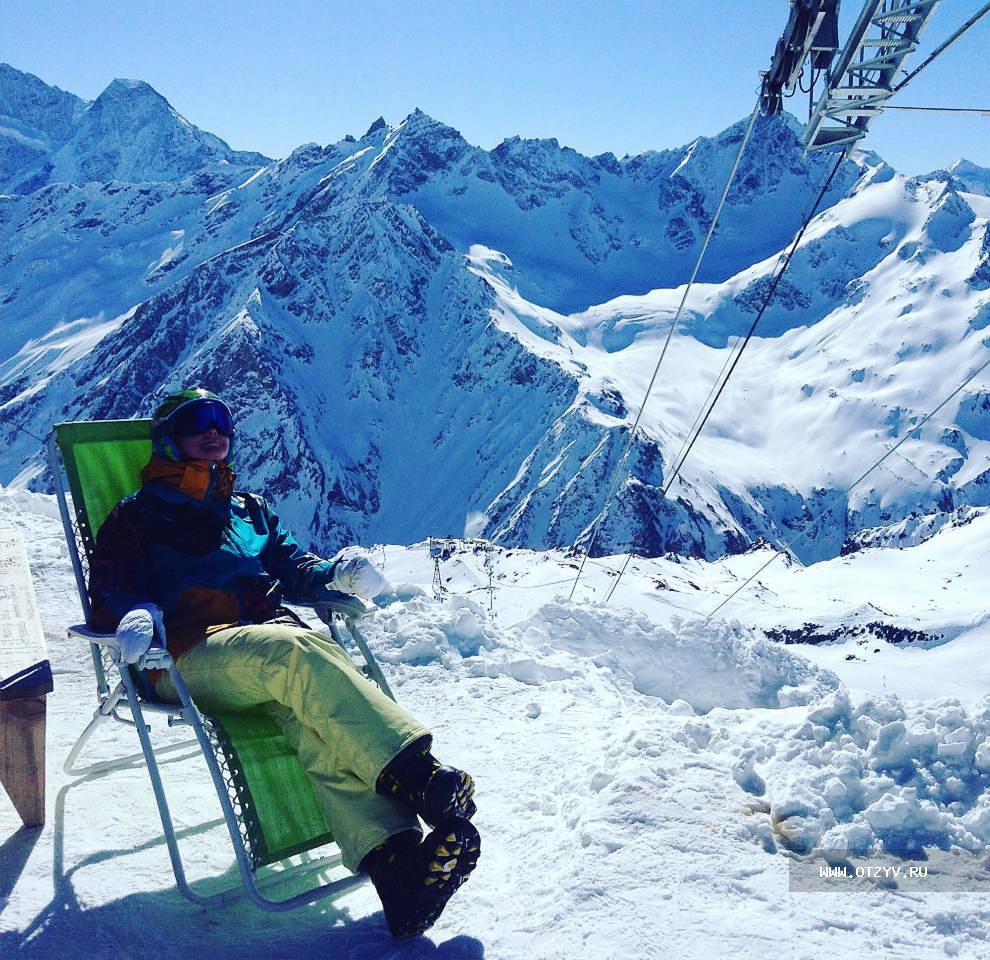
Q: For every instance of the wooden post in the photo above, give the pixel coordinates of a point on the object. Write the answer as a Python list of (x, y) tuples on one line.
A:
[(22, 757), (25, 679)]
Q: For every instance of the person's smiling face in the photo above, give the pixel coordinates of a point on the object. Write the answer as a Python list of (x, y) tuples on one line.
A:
[(211, 445)]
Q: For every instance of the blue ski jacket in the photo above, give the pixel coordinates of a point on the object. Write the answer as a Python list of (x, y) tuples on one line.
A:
[(208, 556)]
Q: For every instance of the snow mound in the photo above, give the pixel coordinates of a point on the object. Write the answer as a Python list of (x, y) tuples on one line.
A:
[(419, 630), (695, 667), (883, 776), (16, 500), (703, 665)]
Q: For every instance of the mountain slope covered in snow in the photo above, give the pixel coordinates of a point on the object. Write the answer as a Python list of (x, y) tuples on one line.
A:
[(453, 337)]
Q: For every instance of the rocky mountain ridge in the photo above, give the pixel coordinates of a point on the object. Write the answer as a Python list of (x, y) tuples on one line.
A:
[(393, 319), (130, 132)]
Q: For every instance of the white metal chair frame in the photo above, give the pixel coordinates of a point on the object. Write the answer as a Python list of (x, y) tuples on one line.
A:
[(342, 610)]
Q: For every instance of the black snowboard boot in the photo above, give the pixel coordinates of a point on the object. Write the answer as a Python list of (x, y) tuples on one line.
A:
[(435, 791), (415, 879)]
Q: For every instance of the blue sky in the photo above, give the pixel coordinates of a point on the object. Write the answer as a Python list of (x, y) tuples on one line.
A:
[(622, 75)]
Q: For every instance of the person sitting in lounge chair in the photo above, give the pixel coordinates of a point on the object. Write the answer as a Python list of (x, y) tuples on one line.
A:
[(208, 566)]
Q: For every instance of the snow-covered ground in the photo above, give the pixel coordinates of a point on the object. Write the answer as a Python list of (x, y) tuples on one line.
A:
[(646, 777)]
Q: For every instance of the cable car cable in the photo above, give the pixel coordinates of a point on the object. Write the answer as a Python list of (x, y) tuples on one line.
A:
[(656, 370), (942, 46), (814, 520), (739, 351)]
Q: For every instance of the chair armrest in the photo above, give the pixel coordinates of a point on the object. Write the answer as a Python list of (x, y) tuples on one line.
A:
[(347, 605), (156, 657), (93, 636)]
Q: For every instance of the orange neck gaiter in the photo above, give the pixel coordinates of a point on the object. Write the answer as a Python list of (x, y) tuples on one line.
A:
[(197, 479)]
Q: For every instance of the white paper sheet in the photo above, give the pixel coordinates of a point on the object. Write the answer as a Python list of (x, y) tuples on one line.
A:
[(22, 641)]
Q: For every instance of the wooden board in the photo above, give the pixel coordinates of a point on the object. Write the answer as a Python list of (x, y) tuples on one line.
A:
[(22, 757), (22, 721)]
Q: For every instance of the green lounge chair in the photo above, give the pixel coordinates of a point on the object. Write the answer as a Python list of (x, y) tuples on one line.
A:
[(267, 800)]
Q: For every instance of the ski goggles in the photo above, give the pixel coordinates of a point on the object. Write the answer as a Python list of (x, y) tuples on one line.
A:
[(198, 416)]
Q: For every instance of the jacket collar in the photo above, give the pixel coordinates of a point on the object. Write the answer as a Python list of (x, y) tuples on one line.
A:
[(196, 479)]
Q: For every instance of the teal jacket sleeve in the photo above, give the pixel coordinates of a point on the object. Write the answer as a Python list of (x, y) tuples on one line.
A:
[(303, 576)]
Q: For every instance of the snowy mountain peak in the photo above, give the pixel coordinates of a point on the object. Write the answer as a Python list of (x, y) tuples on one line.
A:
[(32, 103), (35, 119), (415, 151), (544, 155), (128, 108), (130, 133), (421, 126), (420, 118), (121, 88), (517, 144), (379, 124), (971, 177)]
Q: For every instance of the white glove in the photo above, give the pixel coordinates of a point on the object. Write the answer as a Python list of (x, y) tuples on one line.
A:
[(137, 630), (358, 576)]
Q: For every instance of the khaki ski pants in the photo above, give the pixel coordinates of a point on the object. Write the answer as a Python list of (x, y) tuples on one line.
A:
[(343, 728)]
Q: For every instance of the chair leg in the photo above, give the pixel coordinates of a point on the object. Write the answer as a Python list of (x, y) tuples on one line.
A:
[(369, 658), (106, 711), (252, 886), (68, 767), (168, 827)]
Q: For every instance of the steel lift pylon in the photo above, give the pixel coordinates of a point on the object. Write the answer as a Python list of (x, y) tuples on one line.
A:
[(860, 80), (863, 77)]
